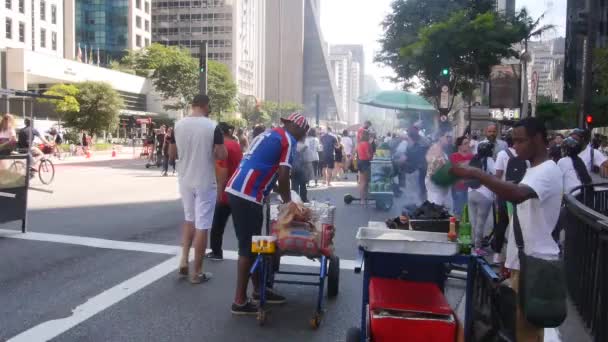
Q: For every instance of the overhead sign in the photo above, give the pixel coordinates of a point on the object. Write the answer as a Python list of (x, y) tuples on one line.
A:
[(444, 101), (505, 86), (505, 114)]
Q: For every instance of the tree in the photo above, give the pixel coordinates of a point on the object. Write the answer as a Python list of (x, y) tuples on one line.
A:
[(175, 75), (99, 108), (221, 88), (600, 71), (278, 110), (467, 46), (68, 104), (407, 18)]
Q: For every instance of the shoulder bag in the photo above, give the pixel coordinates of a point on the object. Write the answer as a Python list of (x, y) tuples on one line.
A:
[(542, 287), (594, 168)]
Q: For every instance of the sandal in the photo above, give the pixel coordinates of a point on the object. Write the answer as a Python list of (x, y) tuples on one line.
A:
[(183, 271), (201, 278)]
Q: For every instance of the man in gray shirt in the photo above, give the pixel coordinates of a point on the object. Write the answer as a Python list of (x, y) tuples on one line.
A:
[(492, 136)]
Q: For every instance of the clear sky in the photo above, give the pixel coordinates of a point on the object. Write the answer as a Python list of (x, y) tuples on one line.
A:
[(358, 22)]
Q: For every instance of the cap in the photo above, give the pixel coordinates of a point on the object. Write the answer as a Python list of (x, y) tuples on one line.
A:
[(298, 119)]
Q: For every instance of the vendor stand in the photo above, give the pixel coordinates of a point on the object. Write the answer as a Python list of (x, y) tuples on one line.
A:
[(14, 185), (416, 258)]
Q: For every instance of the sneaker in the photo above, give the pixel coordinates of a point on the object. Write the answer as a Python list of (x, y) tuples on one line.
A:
[(214, 256), (201, 278), (480, 252), (271, 297), (248, 308)]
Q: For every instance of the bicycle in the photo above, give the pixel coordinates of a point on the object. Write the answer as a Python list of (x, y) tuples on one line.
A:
[(45, 170)]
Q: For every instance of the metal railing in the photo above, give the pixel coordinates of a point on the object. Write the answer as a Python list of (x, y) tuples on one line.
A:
[(585, 222)]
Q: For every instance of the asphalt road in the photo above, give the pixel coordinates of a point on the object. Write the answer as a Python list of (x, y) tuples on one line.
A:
[(100, 265)]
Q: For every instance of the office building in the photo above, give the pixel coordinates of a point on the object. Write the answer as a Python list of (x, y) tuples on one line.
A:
[(506, 7), (106, 28), (233, 29), (347, 66), (547, 61), (32, 25), (298, 68)]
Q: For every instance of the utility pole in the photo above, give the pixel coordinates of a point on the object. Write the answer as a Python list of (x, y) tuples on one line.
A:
[(317, 109), (202, 65)]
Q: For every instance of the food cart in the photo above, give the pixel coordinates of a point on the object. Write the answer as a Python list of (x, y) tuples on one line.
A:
[(422, 260), (381, 184)]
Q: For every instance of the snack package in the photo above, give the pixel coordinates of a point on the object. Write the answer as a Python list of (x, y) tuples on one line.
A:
[(304, 230)]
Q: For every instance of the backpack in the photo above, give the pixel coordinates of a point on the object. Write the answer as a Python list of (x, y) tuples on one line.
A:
[(416, 157), (516, 168), (24, 137), (480, 163)]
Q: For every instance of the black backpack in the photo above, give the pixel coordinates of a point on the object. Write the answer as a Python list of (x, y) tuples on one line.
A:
[(516, 168), (480, 163)]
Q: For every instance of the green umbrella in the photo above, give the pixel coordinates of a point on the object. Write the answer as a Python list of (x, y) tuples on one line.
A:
[(396, 99)]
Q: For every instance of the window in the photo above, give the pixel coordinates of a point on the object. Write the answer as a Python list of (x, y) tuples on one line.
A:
[(138, 4), (9, 28), (21, 6), (8, 4), (184, 17), (42, 38), (22, 32), (138, 21), (53, 14), (147, 42), (42, 10), (147, 26), (138, 40), (147, 6), (54, 41)]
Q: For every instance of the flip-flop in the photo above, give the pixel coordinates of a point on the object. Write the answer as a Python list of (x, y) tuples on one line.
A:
[(201, 278), (183, 271)]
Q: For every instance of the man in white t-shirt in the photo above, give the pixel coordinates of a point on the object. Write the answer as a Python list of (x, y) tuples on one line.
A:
[(199, 144), (539, 197), (492, 136), (591, 157), (347, 143)]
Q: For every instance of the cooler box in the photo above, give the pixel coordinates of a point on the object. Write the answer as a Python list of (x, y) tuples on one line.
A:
[(409, 311)]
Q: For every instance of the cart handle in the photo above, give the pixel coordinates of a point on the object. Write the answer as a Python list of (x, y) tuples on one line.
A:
[(359, 262)]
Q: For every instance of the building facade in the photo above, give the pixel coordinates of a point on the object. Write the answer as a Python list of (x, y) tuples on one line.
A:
[(506, 6), (298, 68), (233, 29), (547, 62), (349, 82), (32, 25), (104, 29)]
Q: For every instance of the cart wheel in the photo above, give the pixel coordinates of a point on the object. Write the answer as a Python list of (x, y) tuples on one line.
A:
[(147, 166), (353, 335), (315, 322), (348, 199), (261, 317), (333, 277), (384, 205)]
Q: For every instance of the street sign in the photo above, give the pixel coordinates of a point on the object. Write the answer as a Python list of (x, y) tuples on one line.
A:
[(444, 101)]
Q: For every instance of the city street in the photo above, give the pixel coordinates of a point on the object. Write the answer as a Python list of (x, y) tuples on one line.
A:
[(99, 264)]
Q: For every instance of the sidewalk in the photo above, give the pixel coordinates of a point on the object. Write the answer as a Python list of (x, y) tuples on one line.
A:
[(124, 154)]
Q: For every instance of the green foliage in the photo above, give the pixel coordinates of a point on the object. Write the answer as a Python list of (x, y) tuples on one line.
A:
[(259, 117), (468, 46), (557, 115), (68, 103), (99, 108), (276, 111), (221, 88), (600, 71), (176, 75), (402, 25), (72, 136), (236, 122)]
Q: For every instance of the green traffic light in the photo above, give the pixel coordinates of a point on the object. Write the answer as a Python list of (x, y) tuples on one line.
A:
[(202, 69), (445, 71)]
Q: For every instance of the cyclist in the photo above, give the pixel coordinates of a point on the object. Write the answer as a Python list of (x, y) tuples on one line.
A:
[(26, 137)]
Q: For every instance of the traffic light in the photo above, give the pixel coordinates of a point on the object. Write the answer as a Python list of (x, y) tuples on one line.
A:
[(589, 119), (202, 68), (445, 72)]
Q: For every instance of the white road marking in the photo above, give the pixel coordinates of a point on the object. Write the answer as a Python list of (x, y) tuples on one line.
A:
[(148, 247), (92, 242), (53, 328), (7, 194)]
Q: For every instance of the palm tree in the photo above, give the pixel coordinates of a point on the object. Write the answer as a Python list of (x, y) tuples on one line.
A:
[(529, 28)]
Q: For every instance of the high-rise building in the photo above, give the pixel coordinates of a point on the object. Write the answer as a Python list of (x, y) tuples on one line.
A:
[(233, 29), (351, 58), (297, 63), (109, 27), (32, 25), (506, 6)]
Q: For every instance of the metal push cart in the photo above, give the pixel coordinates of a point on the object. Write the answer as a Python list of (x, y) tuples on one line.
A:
[(267, 266), (408, 255), (381, 185)]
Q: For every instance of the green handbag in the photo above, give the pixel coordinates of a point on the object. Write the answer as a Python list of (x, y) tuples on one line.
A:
[(542, 287)]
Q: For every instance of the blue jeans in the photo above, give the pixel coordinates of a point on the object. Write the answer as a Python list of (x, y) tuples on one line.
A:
[(460, 198)]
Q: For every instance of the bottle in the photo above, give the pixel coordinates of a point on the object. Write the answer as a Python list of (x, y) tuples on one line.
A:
[(452, 236)]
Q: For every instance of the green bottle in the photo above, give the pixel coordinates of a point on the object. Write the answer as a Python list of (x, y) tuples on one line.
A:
[(464, 232)]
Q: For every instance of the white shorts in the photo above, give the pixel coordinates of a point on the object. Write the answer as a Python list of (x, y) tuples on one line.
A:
[(199, 205)]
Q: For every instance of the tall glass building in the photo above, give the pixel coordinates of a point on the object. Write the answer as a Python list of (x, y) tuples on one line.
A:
[(110, 27)]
